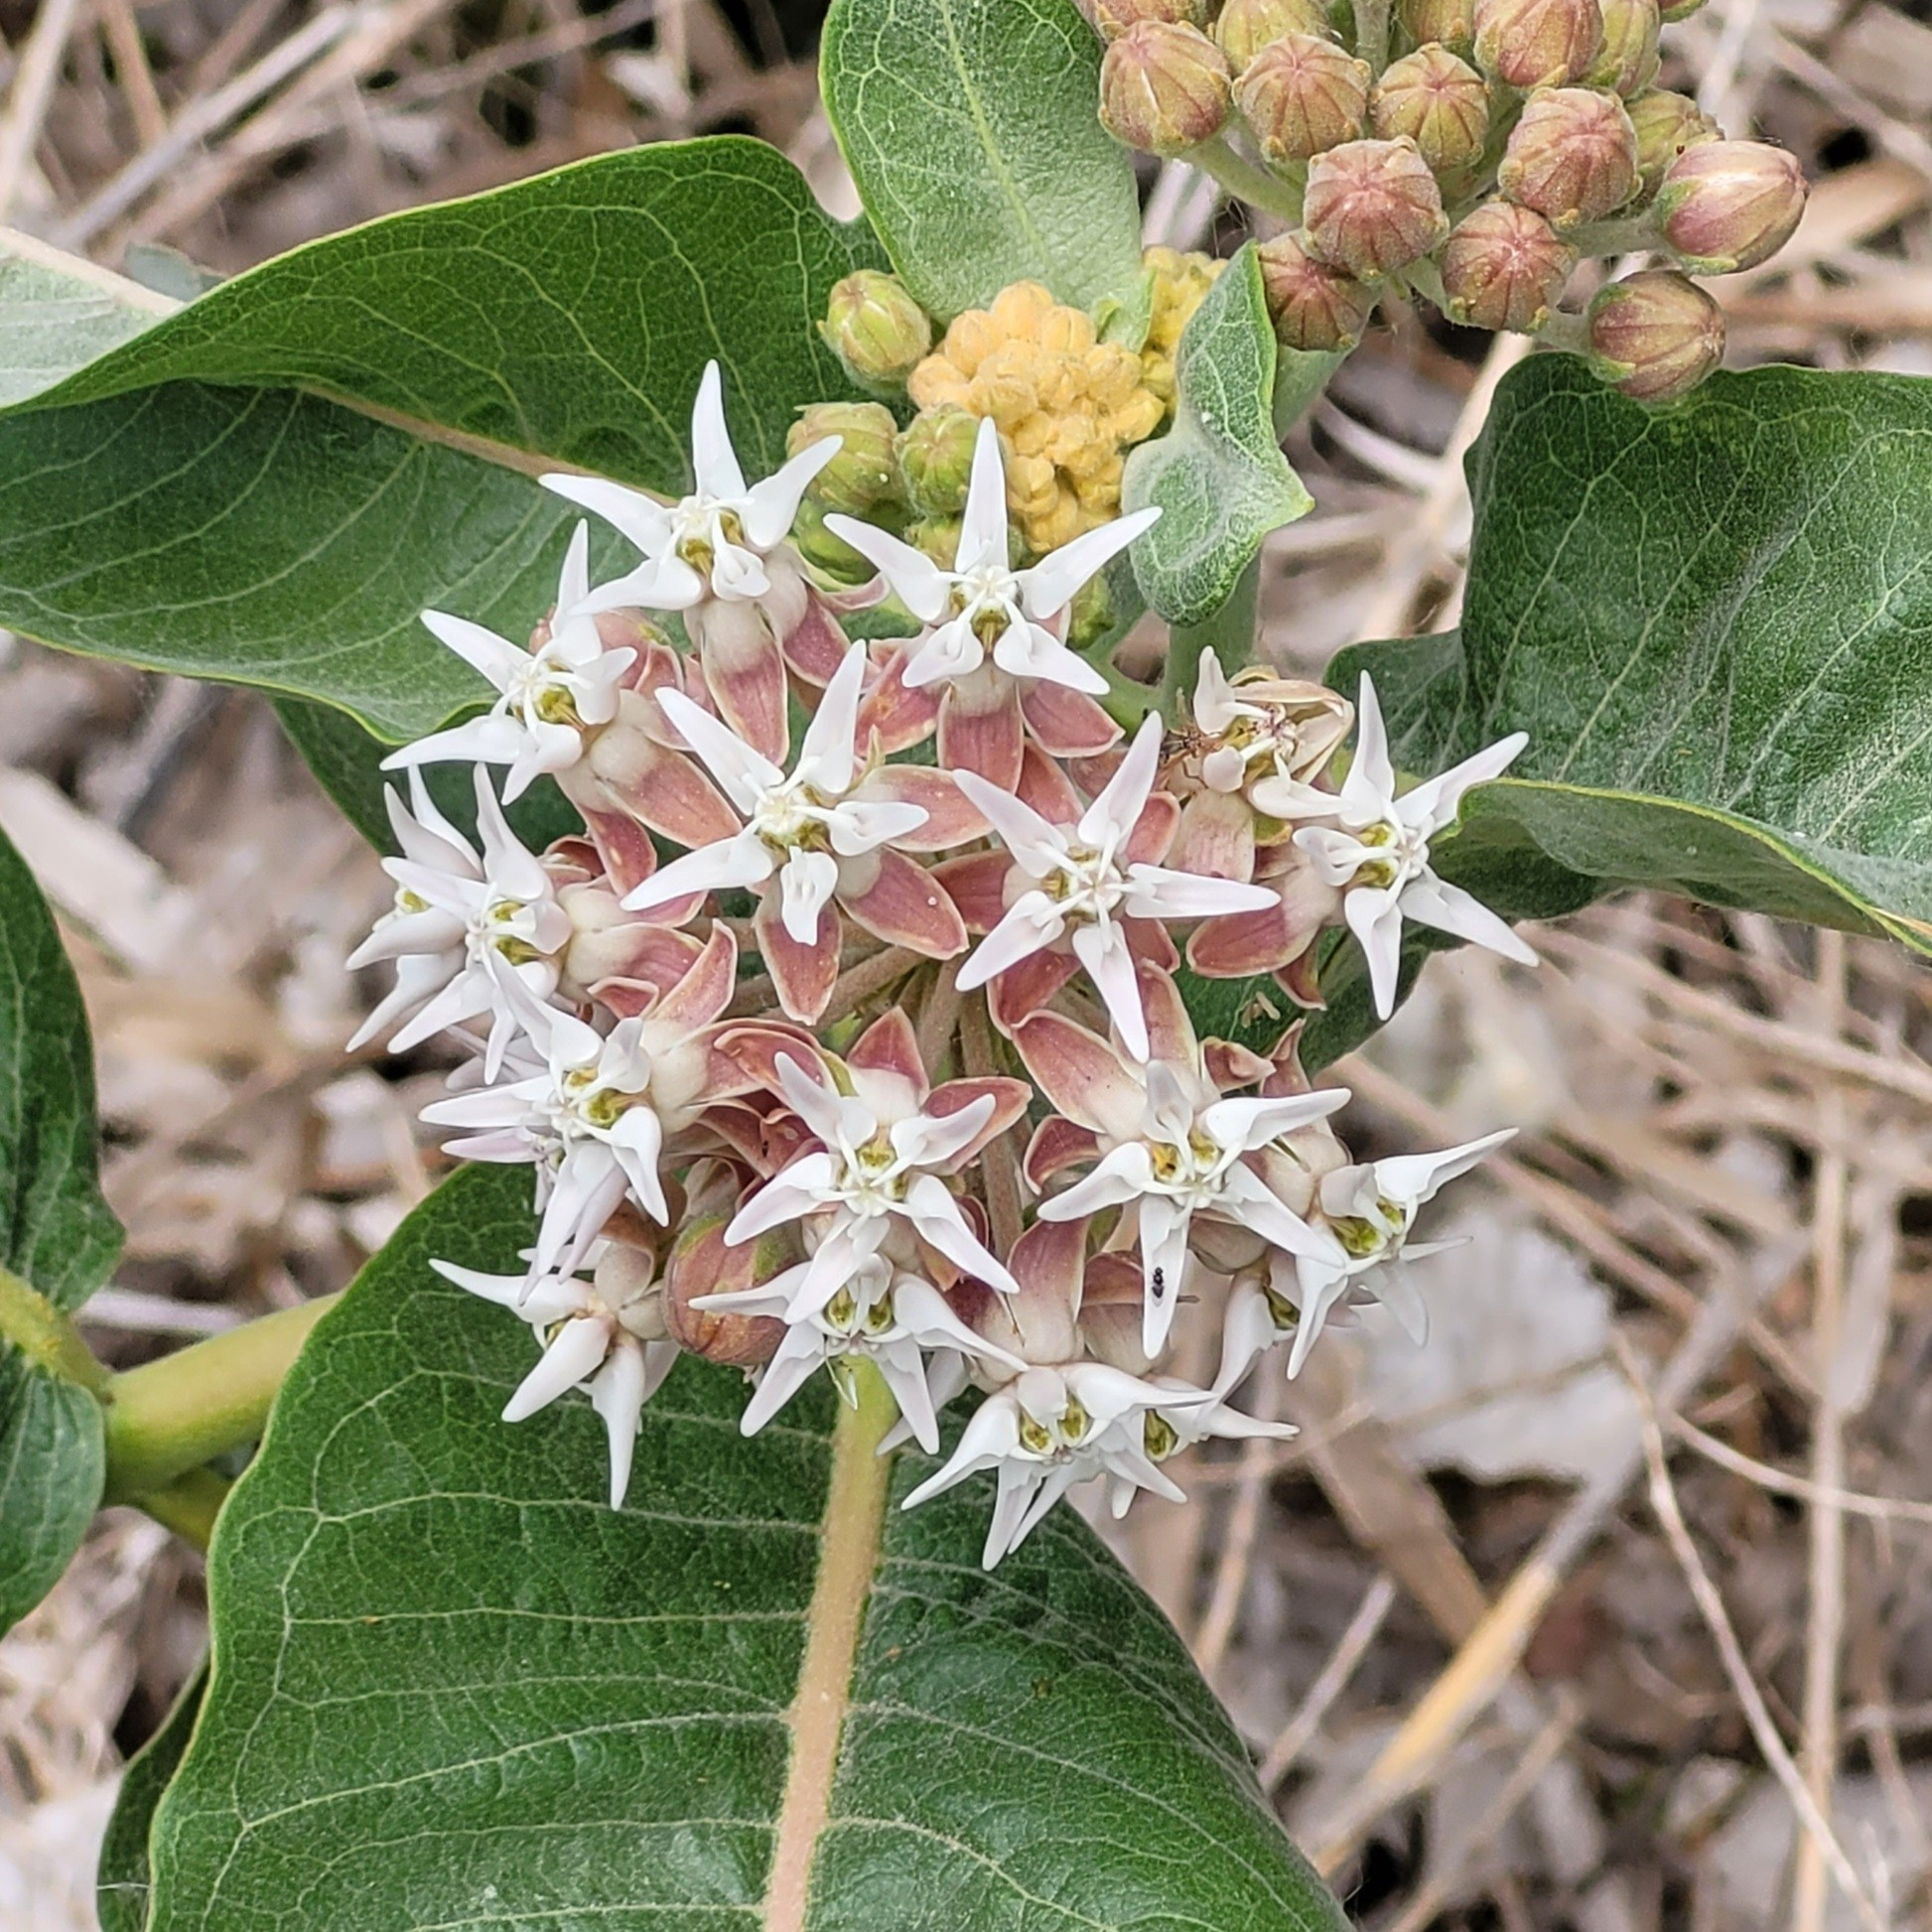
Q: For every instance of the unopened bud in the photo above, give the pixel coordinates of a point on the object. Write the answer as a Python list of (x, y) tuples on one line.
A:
[(1573, 157), (1447, 23), (1110, 19), (1666, 125), (704, 1264), (1164, 88), (1504, 267), (863, 471), (1244, 27), (1537, 42), (938, 537), (1627, 62), (822, 550), (1730, 205), (1440, 102), (876, 330), (1301, 95), (1683, 10), (1371, 207), (935, 459), (1313, 306), (1656, 334)]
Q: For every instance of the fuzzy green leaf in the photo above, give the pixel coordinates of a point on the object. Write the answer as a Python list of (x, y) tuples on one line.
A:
[(57, 312), (451, 1686), (122, 1880), (269, 486), (971, 129), (1218, 476)]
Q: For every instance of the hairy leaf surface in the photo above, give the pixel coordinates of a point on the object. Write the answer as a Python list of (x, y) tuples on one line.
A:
[(57, 312)]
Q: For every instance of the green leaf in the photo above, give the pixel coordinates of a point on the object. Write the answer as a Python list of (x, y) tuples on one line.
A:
[(122, 1880), (57, 312), (1715, 622), (269, 486), (1218, 476), (450, 1686), (972, 131), (58, 1244)]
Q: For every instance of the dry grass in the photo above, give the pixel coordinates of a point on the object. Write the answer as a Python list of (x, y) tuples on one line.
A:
[(1519, 1644)]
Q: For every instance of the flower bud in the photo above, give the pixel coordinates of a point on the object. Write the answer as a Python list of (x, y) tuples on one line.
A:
[(1164, 88), (1371, 207), (935, 459), (863, 471), (822, 550), (1313, 306), (1627, 62), (1683, 10), (703, 1264), (1730, 205), (1537, 42), (1504, 267), (1444, 22), (1440, 102), (1666, 125), (1245, 26), (1301, 95), (1573, 157), (876, 330), (1655, 334), (938, 537), (1110, 19)]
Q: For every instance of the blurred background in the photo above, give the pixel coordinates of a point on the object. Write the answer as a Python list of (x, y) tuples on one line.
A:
[(1722, 1191)]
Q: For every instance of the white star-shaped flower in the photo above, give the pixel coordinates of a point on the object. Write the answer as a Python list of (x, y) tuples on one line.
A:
[(462, 926), (606, 1336), (868, 1175), (1085, 883), (1374, 846), (1370, 1208), (546, 698), (982, 605), (711, 543)]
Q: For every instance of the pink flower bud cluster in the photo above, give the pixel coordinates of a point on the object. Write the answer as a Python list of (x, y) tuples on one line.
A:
[(1474, 164), (888, 1062)]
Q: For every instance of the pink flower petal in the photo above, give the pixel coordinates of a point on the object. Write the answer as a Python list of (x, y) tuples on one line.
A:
[(1170, 1031), (817, 643), (890, 1046), (1059, 1143), (706, 988), (1230, 1065), (987, 739), (1066, 723), (1153, 831), (746, 672), (801, 974), (897, 714), (758, 1045), (1216, 837), (1010, 1101), (1046, 789), (900, 902), (1024, 987), (1244, 943), (1081, 1074), (661, 788), (629, 858), (950, 817), (976, 885)]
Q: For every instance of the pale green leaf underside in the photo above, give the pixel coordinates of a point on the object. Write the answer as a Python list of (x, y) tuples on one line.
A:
[(57, 312), (270, 485), (450, 1686), (122, 1878), (1218, 476), (970, 127), (1715, 622)]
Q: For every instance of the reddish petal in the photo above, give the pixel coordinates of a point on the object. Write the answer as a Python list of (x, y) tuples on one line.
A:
[(1154, 830), (1170, 1032), (1216, 837), (1113, 1281), (1151, 943), (1068, 723), (626, 856), (1048, 789), (745, 671), (758, 1045), (1093, 775), (801, 975), (1050, 1262), (1230, 1066), (1240, 944), (976, 885), (1300, 979), (901, 716), (949, 819), (1058, 1143), (890, 1045), (988, 741), (706, 989), (1010, 1102), (1081, 1074), (817, 645), (1026, 986), (628, 769), (900, 902), (1286, 1074)]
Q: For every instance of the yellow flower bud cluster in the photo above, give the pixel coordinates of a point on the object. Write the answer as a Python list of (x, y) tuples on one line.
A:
[(1181, 282), (1067, 404)]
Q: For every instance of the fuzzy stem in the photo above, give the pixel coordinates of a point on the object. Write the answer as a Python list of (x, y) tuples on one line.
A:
[(1246, 181), (1127, 701), (1621, 235), (1231, 632), (999, 1166), (1372, 34), (188, 1505), (46, 1334), (166, 1417)]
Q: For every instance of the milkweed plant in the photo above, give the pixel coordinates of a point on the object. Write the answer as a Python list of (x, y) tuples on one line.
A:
[(888, 1037)]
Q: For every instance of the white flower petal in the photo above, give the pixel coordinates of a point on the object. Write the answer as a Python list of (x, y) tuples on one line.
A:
[(825, 758), (729, 865), (1119, 806), (951, 653), (713, 458), (1103, 950), (575, 1355), (806, 889), (983, 523), (1374, 916), (915, 580), (1025, 651), (772, 506), (743, 771), (1052, 583), (1032, 923), (1368, 792), (1158, 892), (618, 1392), (1430, 900), (645, 521)]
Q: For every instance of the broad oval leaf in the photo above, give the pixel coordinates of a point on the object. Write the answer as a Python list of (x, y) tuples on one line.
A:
[(448, 1685), (1218, 475), (1715, 622), (57, 1243), (57, 312), (269, 486), (972, 131), (122, 1880)]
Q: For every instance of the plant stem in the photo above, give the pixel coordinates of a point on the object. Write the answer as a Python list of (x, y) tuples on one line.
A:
[(1127, 701), (1621, 235), (188, 1505), (46, 1334), (166, 1418), (1372, 34), (1246, 181), (1230, 631), (999, 1166)]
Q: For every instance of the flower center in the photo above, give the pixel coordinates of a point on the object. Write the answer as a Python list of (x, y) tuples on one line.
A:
[(1400, 854), (1086, 883), (1190, 1171), (1060, 1436)]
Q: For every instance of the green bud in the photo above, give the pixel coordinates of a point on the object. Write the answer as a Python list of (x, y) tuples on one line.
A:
[(1444, 22), (1091, 613), (822, 550), (1666, 125), (1440, 102), (1627, 62), (876, 330), (1245, 26), (1164, 88), (1572, 157), (1301, 95), (938, 539), (935, 459), (1313, 306), (1537, 42), (1683, 10), (863, 473), (1656, 334), (1371, 207), (1730, 205), (1110, 19), (1503, 267)]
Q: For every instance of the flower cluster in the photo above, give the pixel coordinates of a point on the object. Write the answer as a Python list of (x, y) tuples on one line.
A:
[(1473, 163), (888, 1065)]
